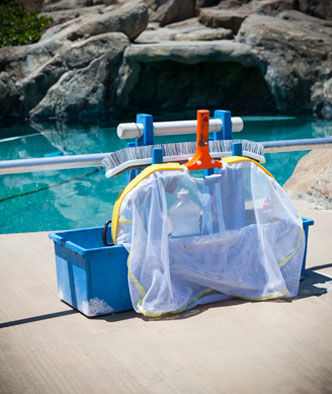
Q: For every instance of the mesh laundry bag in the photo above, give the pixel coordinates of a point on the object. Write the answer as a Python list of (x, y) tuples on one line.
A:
[(198, 240)]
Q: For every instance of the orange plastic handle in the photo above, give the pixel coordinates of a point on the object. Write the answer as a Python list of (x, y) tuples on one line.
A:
[(202, 159)]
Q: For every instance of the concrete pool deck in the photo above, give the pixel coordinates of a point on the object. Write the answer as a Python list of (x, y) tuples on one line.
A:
[(280, 346)]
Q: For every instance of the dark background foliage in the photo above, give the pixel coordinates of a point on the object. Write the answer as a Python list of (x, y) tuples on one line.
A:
[(19, 26)]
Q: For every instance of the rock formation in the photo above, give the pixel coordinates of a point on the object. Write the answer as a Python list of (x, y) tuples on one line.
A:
[(253, 56), (81, 79), (73, 69), (311, 179), (296, 60)]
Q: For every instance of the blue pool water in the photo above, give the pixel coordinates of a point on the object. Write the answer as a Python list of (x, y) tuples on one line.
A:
[(84, 197)]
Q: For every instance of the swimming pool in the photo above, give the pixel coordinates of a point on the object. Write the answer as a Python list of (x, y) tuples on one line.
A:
[(55, 200)]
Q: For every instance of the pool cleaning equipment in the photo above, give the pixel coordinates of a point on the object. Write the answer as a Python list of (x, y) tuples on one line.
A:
[(237, 234)]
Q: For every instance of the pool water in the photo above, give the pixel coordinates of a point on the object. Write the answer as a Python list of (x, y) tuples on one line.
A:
[(68, 199)]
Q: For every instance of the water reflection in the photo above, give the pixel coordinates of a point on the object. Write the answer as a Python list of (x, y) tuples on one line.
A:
[(79, 139)]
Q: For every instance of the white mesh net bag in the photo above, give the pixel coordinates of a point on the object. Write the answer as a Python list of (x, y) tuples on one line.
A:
[(198, 240)]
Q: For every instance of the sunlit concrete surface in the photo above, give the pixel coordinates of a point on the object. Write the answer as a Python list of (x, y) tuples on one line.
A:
[(280, 346)]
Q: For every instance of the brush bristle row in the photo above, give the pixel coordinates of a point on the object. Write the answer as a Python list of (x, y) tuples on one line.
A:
[(185, 149)]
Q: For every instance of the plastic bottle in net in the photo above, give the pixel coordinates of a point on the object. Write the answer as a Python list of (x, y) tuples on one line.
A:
[(185, 216)]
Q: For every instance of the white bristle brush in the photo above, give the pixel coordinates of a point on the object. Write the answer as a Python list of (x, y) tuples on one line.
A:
[(141, 156)]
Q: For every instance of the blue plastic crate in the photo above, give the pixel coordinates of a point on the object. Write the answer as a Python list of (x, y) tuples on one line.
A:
[(91, 278)]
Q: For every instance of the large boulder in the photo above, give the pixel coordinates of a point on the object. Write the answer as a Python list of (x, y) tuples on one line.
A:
[(317, 25), (204, 35), (8, 95), (168, 11), (322, 98), (231, 13), (131, 19), (294, 56), (273, 7), (20, 61), (57, 5), (191, 53), (88, 87), (34, 87), (326, 109), (319, 8), (312, 179), (226, 18), (80, 54), (187, 30), (62, 16)]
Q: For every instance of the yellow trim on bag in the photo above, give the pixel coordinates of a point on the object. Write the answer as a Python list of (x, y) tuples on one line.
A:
[(142, 292), (272, 297), (284, 261), (200, 295), (139, 287), (236, 159), (146, 172)]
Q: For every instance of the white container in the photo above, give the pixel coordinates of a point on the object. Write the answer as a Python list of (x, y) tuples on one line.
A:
[(185, 216)]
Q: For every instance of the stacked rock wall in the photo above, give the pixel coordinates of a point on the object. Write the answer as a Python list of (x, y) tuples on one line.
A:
[(257, 56)]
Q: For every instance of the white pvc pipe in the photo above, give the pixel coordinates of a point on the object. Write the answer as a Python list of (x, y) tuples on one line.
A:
[(136, 130)]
